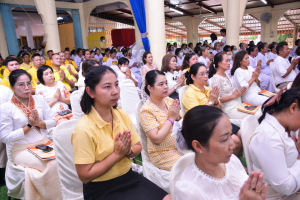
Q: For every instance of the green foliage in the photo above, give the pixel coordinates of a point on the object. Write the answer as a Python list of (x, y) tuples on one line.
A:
[(283, 37)]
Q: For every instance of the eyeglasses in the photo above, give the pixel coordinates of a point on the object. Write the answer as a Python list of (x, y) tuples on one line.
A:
[(23, 85), (203, 74)]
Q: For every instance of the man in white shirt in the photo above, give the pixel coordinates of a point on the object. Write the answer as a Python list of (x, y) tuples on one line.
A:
[(297, 44), (263, 49), (223, 41), (284, 71)]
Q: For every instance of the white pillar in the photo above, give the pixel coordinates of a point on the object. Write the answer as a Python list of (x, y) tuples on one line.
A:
[(3, 43), (233, 20), (84, 20), (138, 35), (47, 10), (29, 36), (155, 18)]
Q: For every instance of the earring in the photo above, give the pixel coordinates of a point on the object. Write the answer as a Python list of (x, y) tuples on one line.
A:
[(201, 151)]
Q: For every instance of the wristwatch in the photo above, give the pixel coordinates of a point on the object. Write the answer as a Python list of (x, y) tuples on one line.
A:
[(210, 103), (30, 126), (175, 87)]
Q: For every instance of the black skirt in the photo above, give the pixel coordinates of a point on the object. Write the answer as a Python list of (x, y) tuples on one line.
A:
[(130, 186)]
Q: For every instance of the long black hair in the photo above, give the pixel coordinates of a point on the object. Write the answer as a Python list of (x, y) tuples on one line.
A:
[(199, 124), (150, 79), (214, 65), (237, 61), (92, 78), (186, 60), (287, 99), (193, 71)]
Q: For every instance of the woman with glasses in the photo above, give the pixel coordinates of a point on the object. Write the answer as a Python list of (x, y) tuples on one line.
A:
[(23, 123), (55, 93), (229, 95), (175, 79)]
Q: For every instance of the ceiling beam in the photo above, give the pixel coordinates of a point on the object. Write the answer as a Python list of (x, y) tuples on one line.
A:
[(204, 6), (125, 11), (174, 32), (168, 16), (289, 19), (205, 30), (270, 3), (179, 9), (213, 23), (249, 29), (175, 27)]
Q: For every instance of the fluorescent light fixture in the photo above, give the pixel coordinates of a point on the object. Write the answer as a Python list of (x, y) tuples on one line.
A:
[(59, 18), (264, 1), (176, 11)]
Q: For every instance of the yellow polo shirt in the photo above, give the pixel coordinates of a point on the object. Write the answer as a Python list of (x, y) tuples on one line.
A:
[(105, 58), (65, 66), (67, 74), (102, 46), (33, 72), (48, 62), (194, 97), (6, 83), (73, 63), (6, 73), (2, 68), (25, 66), (94, 139)]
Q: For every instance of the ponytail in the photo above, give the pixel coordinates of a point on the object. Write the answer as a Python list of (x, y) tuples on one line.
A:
[(86, 103), (287, 99), (215, 64)]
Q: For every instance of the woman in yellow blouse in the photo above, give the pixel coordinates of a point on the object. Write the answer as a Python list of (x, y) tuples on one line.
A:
[(157, 119), (199, 94), (104, 140)]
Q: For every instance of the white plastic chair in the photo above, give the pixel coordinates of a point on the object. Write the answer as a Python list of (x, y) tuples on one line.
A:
[(115, 68), (273, 78), (71, 186), (181, 94), (75, 103), (249, 124), (177, 170), (129, 99), (158, 176)]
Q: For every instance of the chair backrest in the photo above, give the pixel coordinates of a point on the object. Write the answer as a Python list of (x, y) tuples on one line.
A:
[(177, 170), (71, 186), (115, 68), (75, 103), (181, 94), (249, 124), (129, 96), (273, 78), (140, 130)]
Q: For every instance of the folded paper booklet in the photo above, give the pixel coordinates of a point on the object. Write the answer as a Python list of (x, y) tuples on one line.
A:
[(41, 154), (248, 108), (266, 93)]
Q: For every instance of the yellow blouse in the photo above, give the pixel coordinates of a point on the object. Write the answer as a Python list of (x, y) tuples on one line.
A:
[(194, 97), (67, 74), (94, 139)]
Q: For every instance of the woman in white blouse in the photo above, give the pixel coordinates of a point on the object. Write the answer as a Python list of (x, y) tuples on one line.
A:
[(245, 76), (273, 150), (175, 79), (216, 48), (133, 65), (215, 172), (148, 65), (179, 57), (204, 57), (184, 48), (55, 93), (273, 53), (229, 96), (23, 123)]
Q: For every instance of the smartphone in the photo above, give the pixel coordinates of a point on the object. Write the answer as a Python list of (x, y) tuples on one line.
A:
[(44, 148)]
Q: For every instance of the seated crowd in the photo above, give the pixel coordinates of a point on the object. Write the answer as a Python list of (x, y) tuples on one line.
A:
[(198, 89)]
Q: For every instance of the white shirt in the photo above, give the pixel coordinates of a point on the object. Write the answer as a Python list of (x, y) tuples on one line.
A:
[(12, 121), (253, 62), (179, 61), (293, 53), (98, 57), (76, 108), (224, 41), (194, 184), (263, 59), (185, 50), (272, 56), (242, 77), (172, 80), (274, 153), (121, 77), (213, 43), (77, 60), (215, 52), (48, 93), (203, 60), (5, 94), (119, 55), (111, 62), (131, 61), (280, 67)]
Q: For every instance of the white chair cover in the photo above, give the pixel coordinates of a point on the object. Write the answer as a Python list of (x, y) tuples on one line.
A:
[(158, 176), (271, 69), (75, 103), (177, 170), (115, 68), (14, 177), (71, 186), (181, 93), (249, 124), (289, 85), (129, 99)]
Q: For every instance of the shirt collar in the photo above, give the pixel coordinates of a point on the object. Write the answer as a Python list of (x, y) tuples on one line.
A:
[(274, 122), (197, 89), (100, 123), (156, 109)]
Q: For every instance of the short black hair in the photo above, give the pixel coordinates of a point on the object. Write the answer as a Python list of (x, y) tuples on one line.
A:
[(107, 50), (14, 75), (24, 54), (227, 48), (9, 59), (35, 55), (40, 72), (223, 30), (280, 46), (49, 51), (177, 51), (261, 46), (122, 61), (102, 37), (112, 51), (297, 42)]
